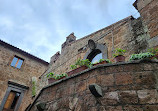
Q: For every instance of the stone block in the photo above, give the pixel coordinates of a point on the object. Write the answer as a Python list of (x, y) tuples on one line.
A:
[(123, 78), (124, 88), (93, 109), (150, 108), (133, 108), (133, 67), (128, 97), (148, 96), (110, 98), (107, 80), (70, 90), (91, 80), (114, 108), (146, 79), (60, 93), (80, 86)]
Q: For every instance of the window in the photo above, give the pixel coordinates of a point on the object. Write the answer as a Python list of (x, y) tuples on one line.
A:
[(13, 97), (17, 62)]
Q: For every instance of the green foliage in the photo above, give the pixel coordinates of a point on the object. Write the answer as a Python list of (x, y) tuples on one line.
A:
[(56, 76), (118, 52), (152, 50), (101, 60), (73, 66), (141, 56), (80, 62), (33, 88), (107, 60)]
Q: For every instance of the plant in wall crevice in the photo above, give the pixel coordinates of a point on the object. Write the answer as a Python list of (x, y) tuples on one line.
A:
[(33, 87)]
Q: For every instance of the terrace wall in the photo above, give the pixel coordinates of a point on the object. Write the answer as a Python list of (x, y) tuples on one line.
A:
[(126, 87)]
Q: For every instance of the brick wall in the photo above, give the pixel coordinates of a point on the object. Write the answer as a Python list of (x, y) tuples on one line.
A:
[(126, 87), (30, 68)]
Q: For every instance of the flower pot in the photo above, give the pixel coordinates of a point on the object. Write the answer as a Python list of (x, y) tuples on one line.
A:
[(103, 62), (77, 70), (156, 56), (51, 80), (119, 58)]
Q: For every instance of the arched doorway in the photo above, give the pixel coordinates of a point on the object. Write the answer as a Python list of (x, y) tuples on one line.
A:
[(95, 55), (99, 52)]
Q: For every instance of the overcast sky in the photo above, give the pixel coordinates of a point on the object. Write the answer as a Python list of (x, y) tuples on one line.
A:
[(41, 26)]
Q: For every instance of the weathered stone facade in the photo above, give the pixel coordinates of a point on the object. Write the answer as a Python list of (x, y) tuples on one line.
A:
[(133, 35), (125, 87), (31, 67)]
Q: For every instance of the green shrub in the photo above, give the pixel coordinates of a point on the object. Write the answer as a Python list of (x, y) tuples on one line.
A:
[(141, 56), (56, 76), (80, 63), (154, 51), (107, 60), (118, 52)]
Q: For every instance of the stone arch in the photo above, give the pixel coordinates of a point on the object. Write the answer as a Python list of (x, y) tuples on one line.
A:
[(100, 48)]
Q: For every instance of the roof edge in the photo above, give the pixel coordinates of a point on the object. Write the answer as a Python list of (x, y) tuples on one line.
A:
[(9, 46)]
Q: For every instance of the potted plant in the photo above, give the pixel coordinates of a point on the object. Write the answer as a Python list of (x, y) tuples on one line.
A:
[(119, 55), (79, 66), (154, 51), (54, 77), (102, 61), (141, 56)]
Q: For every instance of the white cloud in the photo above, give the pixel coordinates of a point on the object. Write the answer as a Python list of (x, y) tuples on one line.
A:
[(43, 25)]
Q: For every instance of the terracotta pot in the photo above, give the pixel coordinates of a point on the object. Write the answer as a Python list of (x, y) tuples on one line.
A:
[(51, 80), (103, 62), (156, 56), (77, 70), (119, 58)]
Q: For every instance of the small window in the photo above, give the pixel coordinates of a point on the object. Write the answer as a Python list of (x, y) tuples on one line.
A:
[(17, 62)]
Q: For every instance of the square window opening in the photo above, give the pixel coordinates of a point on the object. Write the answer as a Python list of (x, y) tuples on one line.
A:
[(17, 62)]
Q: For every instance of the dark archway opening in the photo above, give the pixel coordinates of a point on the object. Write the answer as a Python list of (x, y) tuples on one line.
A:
[(93, 54)]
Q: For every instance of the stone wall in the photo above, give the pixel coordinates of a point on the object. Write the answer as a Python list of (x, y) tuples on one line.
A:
[(30, 68), (125, 87), (148, 10), (121, 32), (133, 35), (129, 34)]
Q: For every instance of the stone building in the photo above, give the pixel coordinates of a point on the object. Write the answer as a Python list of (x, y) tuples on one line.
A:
[(17, 70), (129, 86), (133, 35)]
